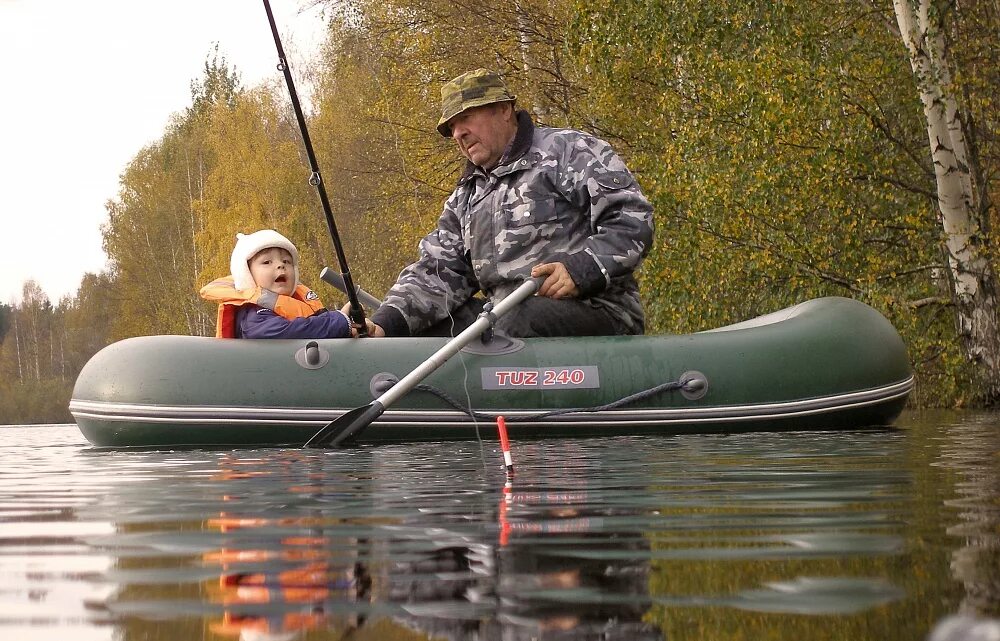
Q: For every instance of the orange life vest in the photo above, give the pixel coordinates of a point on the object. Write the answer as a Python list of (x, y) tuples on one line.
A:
[(302, 303)]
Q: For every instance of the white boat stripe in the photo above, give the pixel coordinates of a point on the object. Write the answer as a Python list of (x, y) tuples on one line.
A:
[(206, 414)]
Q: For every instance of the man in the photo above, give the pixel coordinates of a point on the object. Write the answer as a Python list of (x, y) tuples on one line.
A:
[(533, 201)]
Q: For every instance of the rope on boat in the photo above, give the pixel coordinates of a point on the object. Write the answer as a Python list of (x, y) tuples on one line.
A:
[(627, 400)]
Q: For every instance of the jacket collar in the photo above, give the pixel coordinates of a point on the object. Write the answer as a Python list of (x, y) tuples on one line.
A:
[(518, 146)]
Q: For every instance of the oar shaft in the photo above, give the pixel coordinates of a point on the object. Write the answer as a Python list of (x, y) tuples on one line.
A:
[(440, 357), (352, 422)]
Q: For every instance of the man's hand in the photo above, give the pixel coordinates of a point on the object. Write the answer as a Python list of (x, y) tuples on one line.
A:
[(374, 331), (558, 283)]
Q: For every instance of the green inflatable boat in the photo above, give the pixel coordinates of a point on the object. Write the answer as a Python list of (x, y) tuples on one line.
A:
[(829, 363)]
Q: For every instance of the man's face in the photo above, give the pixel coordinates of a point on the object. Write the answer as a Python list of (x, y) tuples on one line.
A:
[(273, 269), (482, 133)]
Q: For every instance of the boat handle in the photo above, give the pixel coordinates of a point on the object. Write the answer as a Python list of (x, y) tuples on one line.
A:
[(694, 385), (312, 356)]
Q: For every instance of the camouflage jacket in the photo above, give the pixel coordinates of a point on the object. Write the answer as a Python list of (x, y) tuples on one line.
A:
[(557, 195)]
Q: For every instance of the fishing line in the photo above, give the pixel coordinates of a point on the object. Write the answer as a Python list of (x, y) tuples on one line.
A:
[(470, 411), (465, 375), (669, 386), (357, 313)]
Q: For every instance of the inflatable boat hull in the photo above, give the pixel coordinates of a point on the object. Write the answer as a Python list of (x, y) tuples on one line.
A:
[(830, 363)]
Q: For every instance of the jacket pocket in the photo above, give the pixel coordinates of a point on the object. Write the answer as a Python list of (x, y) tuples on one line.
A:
[(611, 181), (538, 212)]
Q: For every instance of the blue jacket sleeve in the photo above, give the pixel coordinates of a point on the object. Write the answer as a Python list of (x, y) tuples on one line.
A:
[(260, 322)]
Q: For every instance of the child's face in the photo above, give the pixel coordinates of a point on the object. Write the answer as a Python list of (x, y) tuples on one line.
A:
[(273, 269)]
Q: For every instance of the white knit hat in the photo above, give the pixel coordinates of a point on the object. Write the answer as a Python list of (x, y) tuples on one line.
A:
[(247, 246)]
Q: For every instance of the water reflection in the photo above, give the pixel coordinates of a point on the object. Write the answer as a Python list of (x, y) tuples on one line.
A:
[(820, 535), (507, 585), (282, 587), (972, 448)]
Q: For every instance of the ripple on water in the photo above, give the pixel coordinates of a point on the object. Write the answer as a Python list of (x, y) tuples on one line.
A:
[(592, 537)]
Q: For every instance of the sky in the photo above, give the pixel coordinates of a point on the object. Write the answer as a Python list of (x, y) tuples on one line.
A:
[(85, 86)]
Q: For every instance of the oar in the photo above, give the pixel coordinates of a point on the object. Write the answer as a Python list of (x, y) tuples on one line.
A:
[(361, 417), (337, 280)]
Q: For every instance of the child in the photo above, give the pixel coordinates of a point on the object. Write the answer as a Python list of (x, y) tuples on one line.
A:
[(263, 297)]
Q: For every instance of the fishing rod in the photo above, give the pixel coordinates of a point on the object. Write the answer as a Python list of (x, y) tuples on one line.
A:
[(357, 312)]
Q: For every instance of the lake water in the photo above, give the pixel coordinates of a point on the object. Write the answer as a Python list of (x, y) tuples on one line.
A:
[(853, 535)]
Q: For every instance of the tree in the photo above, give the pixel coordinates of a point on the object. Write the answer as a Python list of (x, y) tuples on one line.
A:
[(152, 229), (963, 184), (258, 180), (379, 102), (35, 382), (36, 331), (88, 320), (777, 143), (219, 84), (6, 312)]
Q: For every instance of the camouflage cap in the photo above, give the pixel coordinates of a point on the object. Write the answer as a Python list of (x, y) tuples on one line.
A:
[(471, 89)]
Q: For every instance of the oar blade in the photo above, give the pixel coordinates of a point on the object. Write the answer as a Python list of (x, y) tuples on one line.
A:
[(346, 426)]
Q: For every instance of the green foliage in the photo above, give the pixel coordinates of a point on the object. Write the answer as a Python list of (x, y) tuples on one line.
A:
[(387, 171), (972, 45), (776, 141), (42, 401), (87, 320), (219, 84), (379, 103), (151, 236), (44, 349), (6, 312)]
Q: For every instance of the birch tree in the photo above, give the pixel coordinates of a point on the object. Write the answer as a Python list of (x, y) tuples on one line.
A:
[(780, 145), (960, 194), (154, 224)]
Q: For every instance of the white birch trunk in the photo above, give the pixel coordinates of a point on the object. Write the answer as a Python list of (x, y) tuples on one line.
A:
[(36, 346), (17, 350), (195, 193), (523, 39), (524, 45), (973, 283)]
